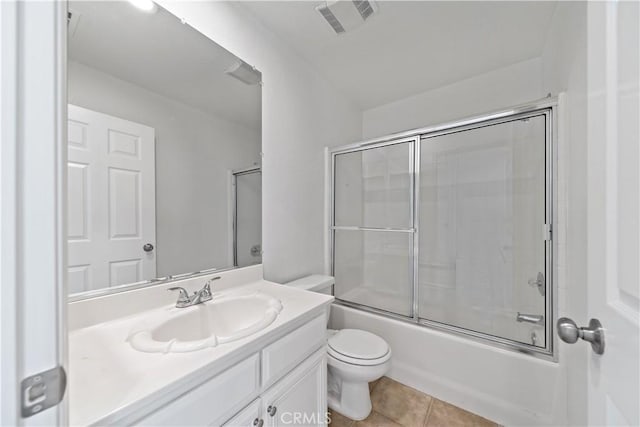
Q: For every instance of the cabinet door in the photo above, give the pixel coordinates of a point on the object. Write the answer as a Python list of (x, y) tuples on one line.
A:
[(300, 398), (248, 417), (212, 402)]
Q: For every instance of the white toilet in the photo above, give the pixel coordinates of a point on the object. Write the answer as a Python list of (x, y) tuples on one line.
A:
[(354, 358)]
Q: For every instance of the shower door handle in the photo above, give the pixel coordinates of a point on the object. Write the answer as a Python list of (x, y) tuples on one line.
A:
[(536, 319)]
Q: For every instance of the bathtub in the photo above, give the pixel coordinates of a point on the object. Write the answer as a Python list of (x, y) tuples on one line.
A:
[(501, 385)]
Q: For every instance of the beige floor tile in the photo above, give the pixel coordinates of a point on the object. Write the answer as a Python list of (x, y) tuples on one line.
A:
[(373, 384), (402, 404), (376, 420), (339, 420), (443, 414)]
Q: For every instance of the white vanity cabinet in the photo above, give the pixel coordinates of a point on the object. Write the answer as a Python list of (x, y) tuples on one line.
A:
[(284, 383), (249, 416), (298, 399)]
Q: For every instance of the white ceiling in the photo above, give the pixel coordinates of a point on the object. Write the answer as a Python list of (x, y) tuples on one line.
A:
[(410, 47), (158, 52)]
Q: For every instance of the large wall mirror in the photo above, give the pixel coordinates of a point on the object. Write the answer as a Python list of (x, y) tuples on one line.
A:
[(164, 175)]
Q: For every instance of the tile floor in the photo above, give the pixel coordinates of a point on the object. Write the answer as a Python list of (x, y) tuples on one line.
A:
[(395, 405)]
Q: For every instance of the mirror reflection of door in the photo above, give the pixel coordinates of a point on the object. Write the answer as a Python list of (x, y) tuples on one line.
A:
[(247, 230), (149, 196), (111, 201)]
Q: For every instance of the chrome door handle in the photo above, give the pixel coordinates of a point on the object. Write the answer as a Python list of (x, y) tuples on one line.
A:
[(536, 319), (258, 422), (148, 247), (569, 332)]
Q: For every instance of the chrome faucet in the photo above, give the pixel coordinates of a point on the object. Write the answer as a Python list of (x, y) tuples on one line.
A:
[(203, 295)]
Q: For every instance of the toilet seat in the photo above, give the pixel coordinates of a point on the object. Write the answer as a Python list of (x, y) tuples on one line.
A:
[(358, 347)]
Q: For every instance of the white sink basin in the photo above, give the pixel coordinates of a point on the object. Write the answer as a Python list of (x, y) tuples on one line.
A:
[(216, 322)]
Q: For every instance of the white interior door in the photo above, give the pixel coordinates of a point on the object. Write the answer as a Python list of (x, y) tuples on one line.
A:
[(33, 300), (614, 210), (111, 201)]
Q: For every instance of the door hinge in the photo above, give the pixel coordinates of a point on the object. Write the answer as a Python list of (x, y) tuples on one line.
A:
[(548, 232), (42, 391)]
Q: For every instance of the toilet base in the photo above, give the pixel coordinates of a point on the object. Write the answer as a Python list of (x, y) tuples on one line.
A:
[(348, 387), (354, 401)]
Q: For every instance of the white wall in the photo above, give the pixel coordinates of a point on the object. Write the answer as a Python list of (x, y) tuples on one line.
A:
[(564, 69), (194, 152), (495, 90), (301, 114)]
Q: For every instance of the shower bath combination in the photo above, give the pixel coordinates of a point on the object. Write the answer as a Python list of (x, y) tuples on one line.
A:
[(450, 227)]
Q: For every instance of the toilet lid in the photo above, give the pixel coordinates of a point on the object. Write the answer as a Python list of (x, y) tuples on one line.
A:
[(358, 344)]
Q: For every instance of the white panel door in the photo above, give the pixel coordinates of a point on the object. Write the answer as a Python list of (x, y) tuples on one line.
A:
[(614, 210), (111, 201)]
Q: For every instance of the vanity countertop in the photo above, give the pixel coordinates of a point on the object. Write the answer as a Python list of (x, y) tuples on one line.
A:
[(110, 382)]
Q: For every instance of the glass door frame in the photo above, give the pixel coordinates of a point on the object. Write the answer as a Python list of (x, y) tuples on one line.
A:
[(548, 108), (234, 206), (414, 142)]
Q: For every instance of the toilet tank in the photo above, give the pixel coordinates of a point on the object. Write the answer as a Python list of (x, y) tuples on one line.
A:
[(316, 283)]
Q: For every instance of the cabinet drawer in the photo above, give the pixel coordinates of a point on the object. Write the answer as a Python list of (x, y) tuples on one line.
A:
[(283, 355), (218, 398)]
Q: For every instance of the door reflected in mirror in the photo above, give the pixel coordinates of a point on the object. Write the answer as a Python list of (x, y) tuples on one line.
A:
[(164, 173)]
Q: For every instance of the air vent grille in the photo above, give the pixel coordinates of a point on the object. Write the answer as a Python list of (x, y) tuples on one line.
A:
[(344, 16), (364, 8), (331, 19)]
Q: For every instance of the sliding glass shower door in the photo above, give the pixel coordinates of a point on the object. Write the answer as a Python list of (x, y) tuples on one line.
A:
[(373, 226), (451, 228), (482, 230)]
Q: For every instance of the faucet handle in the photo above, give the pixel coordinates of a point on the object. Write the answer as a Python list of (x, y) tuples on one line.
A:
[(207, 286), (184, 297)]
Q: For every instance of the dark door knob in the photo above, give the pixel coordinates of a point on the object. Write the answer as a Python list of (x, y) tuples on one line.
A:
[(148, 247)]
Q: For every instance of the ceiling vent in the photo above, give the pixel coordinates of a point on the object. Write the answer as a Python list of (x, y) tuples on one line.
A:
[(346, 15)]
